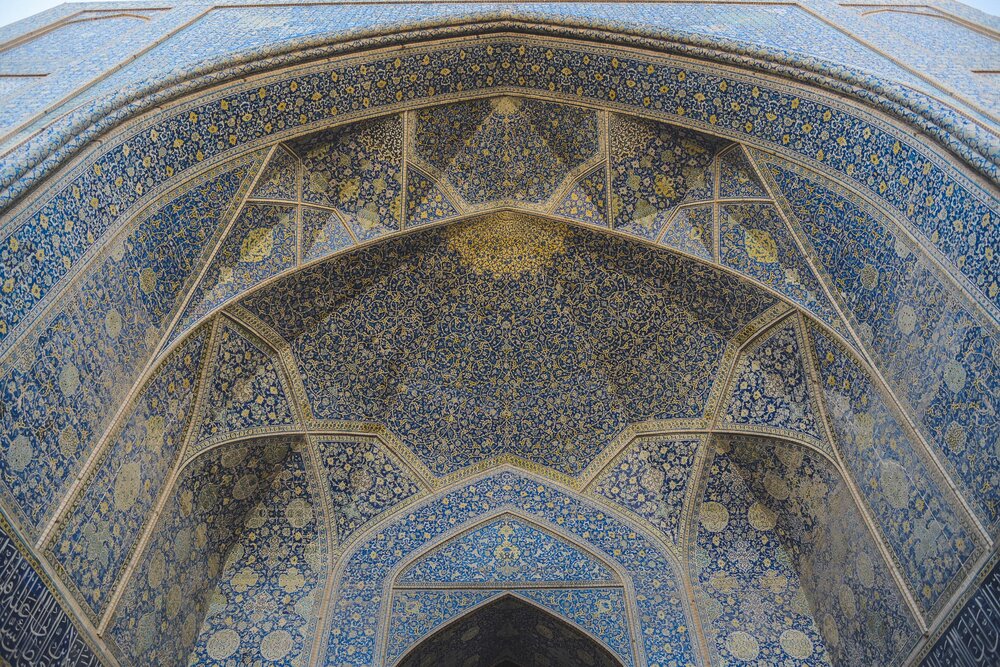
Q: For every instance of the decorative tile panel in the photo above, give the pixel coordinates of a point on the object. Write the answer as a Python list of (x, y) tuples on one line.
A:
[(528, 337), (655, 167), (157, 620), (265, 603), (64, 381), (365, 481), (323, 233), (354, 610), (692, 230), (244, 389), (755, 241), (280, 178), (415, 614), (36, 629), (425, 201), (737, 178), (587, 201), (93, 541), (506, 550), (339, 165), (599, 611), (940, 358), (652, 480), (260, 244), (770, 387), (932, 539), (505, 149), (861, 614), (750, 596)]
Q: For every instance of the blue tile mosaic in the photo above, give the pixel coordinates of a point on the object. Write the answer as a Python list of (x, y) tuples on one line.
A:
[(365, 481), (196, 125), (737, 178), (157, 620), (280, 178), (933, 541), (95, 538), (36, 630), (692, 230), (655, 167), (861, 614), (244, 390), (528, 338), (63, 382), (354, 611), (754, 240), (425, 201), (751, 597), (505, 149), (770, 387), (339, 165), (264, 606), (506, 550), (651, 479), (260, 244), (599, 611), (927, 341), (323, 233), (587, 200)]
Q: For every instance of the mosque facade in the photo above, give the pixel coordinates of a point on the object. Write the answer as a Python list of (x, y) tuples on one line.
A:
[(656, 334)]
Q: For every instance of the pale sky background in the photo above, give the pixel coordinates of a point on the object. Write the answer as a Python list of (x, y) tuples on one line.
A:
[(15, 10)]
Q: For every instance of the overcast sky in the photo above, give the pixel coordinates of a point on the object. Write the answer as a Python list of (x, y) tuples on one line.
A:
[(15, 10)]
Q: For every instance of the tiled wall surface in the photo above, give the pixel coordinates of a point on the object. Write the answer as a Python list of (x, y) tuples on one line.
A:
[(825, 275)]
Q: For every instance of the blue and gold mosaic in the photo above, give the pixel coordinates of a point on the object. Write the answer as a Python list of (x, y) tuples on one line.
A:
[(933, 541), (770, 387), (365, 481), (737, 178), (652, 479), (323, 233), (527, 337), (587, 200), (692, 230), (506, 550), (263, 609), (751, 597), (861, 614), (754, 240), (95, 538), (260, 244), (355, 608), (358, 171), (510, 629), (425, 201), (655, 167), (244, 389), (63, 382), (505, 149), (157, 620), (939, 356), (280, 178)]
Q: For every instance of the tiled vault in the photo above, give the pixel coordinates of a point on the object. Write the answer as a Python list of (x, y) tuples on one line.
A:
[(497, 350)]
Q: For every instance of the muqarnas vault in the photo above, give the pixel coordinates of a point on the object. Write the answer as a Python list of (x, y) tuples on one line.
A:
[(531, 334)]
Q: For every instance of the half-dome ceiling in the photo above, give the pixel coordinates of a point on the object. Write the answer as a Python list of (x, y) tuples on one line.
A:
[(508, 335)]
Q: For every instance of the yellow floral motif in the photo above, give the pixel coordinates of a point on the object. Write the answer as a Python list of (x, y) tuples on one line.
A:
[(257, 245), (508, 244), (760, 246)]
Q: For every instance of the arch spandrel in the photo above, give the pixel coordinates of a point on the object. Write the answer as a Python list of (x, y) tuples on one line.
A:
[(909, 312)]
